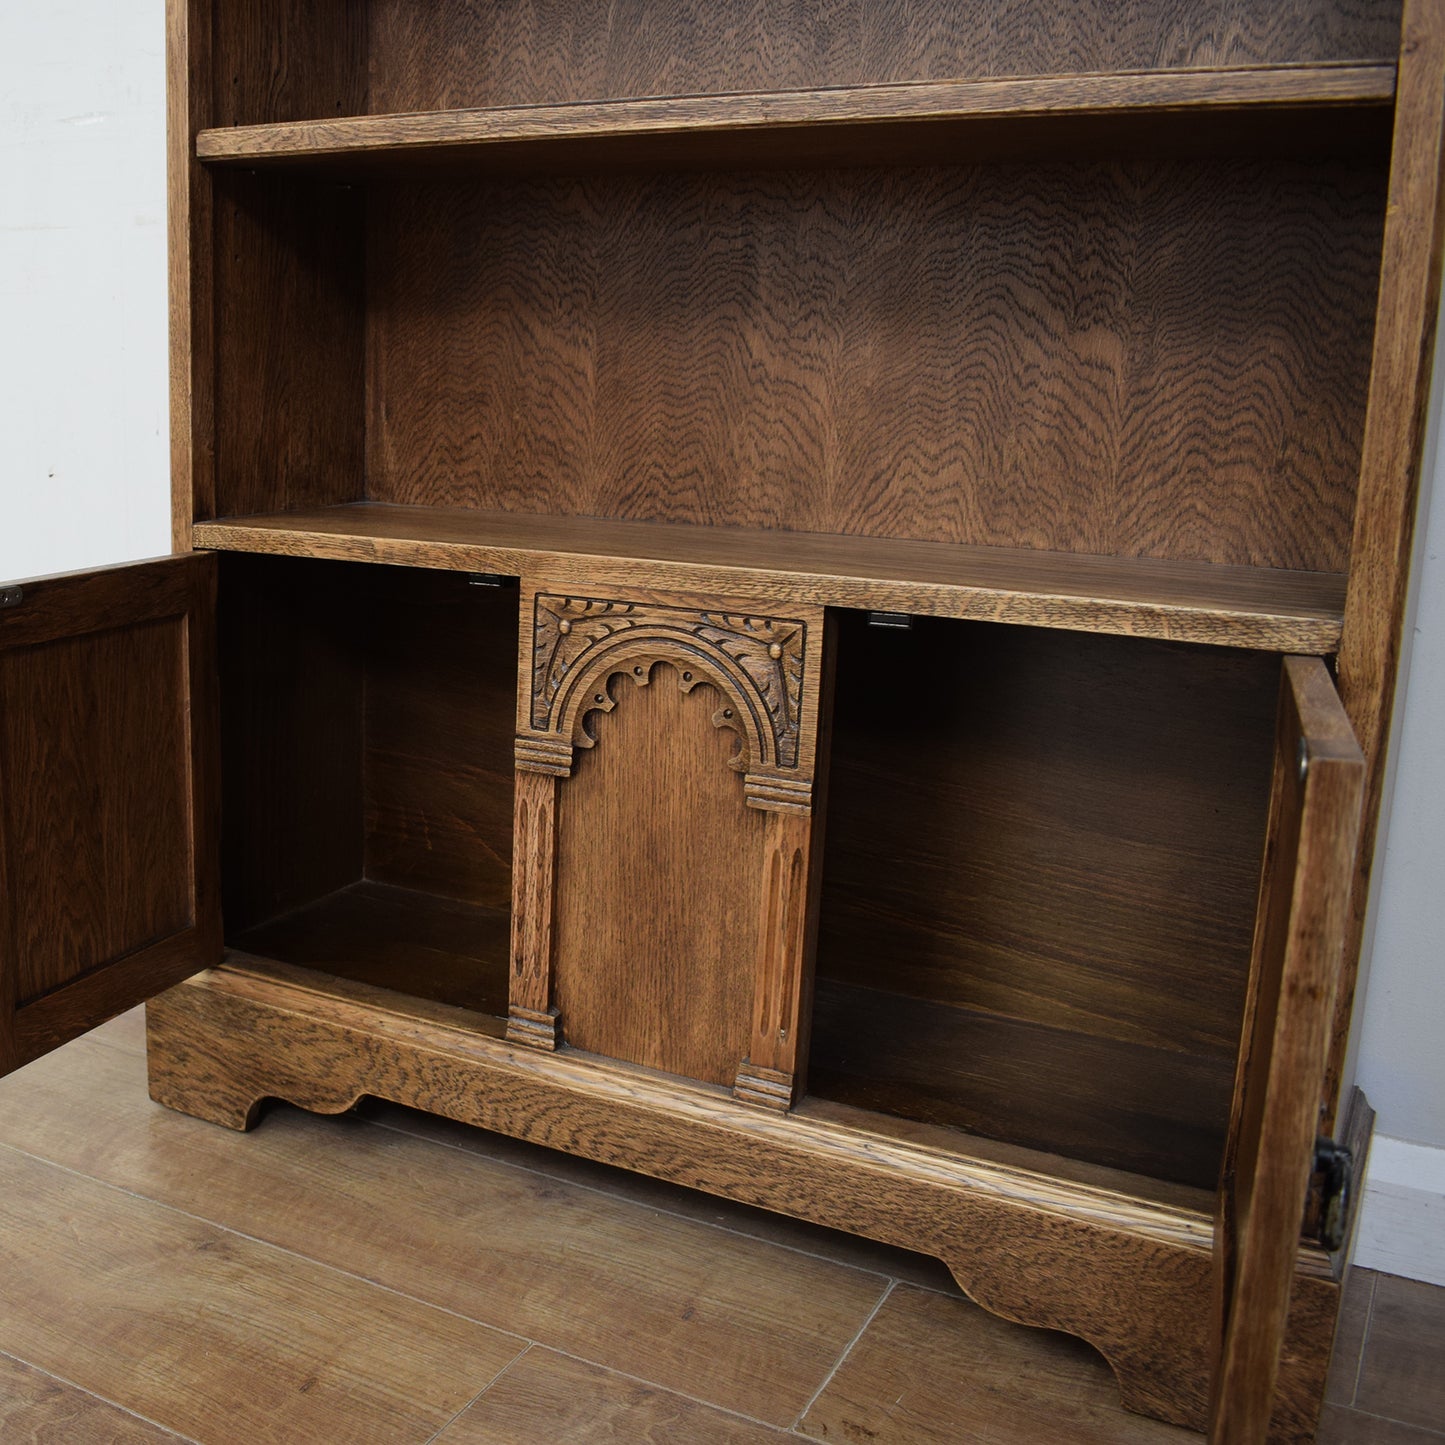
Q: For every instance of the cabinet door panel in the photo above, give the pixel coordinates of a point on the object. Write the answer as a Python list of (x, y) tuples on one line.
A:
[(108, 889), (1298, 944)]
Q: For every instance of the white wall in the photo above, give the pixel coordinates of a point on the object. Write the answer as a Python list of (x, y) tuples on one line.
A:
[(84, 454), (84, 480), (1400, 1026)]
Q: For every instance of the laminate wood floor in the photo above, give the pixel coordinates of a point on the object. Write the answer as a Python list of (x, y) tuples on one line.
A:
[(390, 1277)]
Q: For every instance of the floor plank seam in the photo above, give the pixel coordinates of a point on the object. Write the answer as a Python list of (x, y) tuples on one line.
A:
[(1364, 1339), (653, 1208), (102, 1399), (1434, 1432), (669, 1389), (842, 1359), (269, 1244), (515, 1360)]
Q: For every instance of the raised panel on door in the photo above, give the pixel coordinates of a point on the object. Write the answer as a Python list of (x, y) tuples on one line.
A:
[(108, 861), (1298, 945), (665, 832)]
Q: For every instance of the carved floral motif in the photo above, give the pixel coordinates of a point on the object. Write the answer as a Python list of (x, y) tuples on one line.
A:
[(759, 660)]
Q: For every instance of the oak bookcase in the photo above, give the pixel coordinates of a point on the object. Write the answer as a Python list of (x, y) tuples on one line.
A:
[(606, 439)]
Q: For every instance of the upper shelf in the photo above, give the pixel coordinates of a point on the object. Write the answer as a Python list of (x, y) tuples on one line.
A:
[(925, 121), (1143, 597)]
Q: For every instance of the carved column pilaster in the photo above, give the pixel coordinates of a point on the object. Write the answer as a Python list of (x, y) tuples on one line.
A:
[(769, 1074), (531, 1019)]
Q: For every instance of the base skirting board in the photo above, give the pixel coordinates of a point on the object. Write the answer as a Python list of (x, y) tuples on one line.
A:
[(1402, 1211)]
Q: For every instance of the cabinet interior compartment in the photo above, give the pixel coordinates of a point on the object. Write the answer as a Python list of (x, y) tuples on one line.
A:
[(1100, 357), (1040, 872), (277, 63), (367, 726)]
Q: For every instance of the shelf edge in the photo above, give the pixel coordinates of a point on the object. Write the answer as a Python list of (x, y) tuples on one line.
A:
[(1129, 94), (1224, 625)]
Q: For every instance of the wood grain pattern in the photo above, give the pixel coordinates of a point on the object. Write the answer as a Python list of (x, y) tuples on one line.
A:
[(266, 301), (1027, 1245), (258, 1319), (1187, 601), (1056, 829), (108, 733), (1150, 1110), (550, 1399), (1384, 538), (729, 1320), (276, 61), (777, 1048), (1314, 826), (189, 273), (37, 1409), (568, 50), (918, 122), (288, 316), (659, 868), (532, 1017), (989, 355), (934, 1371)]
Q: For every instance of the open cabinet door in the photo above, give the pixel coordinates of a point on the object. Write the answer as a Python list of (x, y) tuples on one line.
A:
[(108, 795), (1299, 933)]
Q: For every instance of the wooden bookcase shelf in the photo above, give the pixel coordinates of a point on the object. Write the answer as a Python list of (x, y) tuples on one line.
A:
[(711, 381), (928, 121), (1264, 608)]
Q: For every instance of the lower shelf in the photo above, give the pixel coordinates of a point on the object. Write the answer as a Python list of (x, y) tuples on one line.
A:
[(411, 943), (1147, 1110)]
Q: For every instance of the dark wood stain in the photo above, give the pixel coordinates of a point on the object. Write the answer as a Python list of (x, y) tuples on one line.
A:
[(291, 695), (289, 328), (1148, 1110), (369, 735), (413, 943), (107, 796), (1042, 873), (441, 675), (472, 54), (1120, 359)]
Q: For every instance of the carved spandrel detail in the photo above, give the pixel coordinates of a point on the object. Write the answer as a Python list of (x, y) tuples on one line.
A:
[(757, 660)]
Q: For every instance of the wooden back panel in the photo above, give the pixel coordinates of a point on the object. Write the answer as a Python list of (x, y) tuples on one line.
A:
[(291, 694), (659, 870), (1039, 885), (1119, 359), (425, 57), (441, 678), (369, 733)]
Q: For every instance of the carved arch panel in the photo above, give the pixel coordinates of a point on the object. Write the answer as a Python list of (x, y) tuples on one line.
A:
[(758, 663), (760, 674)]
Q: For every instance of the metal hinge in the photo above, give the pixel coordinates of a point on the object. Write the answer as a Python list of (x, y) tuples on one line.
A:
[(11, 596), (1332, 1194)]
